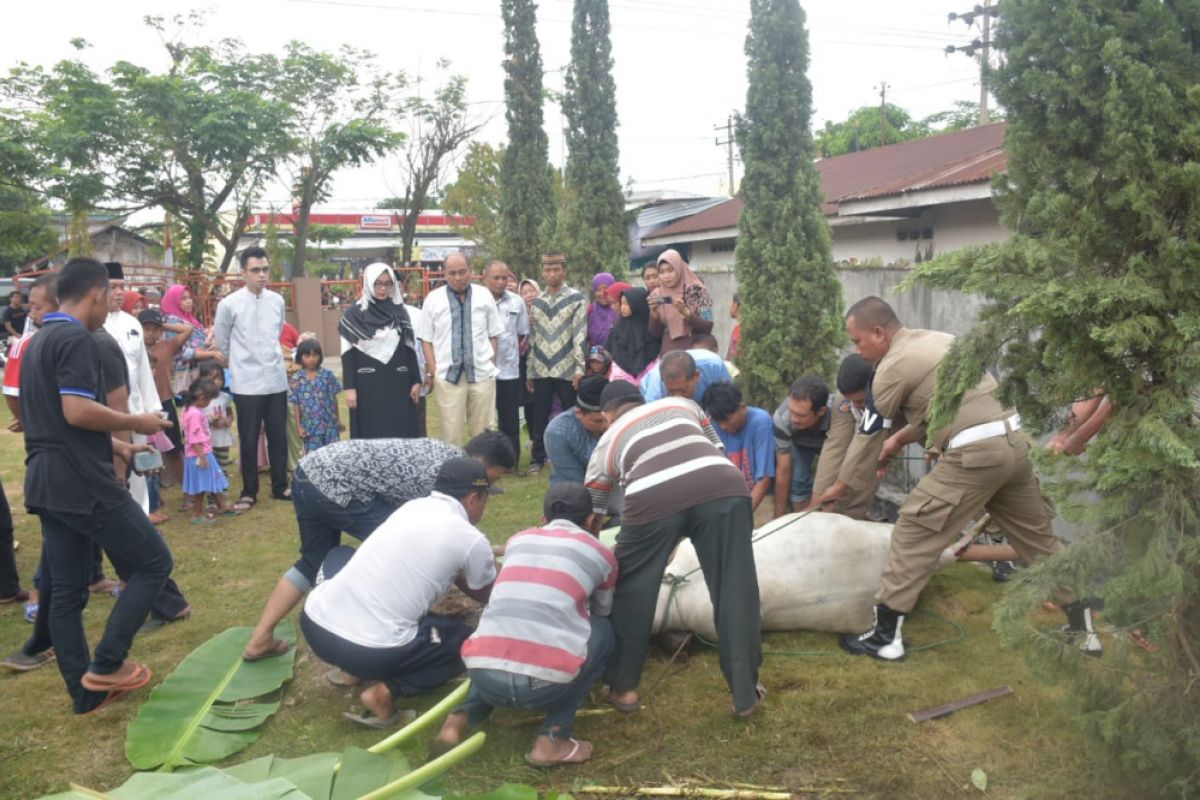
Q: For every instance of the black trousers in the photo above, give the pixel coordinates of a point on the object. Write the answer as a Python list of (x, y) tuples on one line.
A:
[(508, 414), (544, 392), (254, 411), (10, 581)]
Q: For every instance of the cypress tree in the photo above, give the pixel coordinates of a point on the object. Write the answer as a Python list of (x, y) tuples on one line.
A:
[(791, 298), (527, 191), (596, 235), (1099, 288)]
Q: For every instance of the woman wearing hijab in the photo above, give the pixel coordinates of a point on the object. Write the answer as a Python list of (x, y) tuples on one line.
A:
[(633, 350), (178, 307), (133, 303), (601, 315), (681, 307), (379, 360)]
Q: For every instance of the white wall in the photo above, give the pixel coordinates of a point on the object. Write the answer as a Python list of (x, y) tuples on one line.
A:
[(953, 226)]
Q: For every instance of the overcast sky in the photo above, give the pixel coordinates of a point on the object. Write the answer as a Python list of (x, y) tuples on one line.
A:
[(679, 66)]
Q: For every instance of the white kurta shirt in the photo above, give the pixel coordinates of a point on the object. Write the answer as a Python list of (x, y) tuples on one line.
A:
[(436, 329), (143, 396)]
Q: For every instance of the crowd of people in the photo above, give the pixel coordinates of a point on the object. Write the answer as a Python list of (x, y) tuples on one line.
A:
[(626, 399)]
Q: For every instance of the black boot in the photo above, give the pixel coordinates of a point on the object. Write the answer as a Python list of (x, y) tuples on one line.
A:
[(883, 641), (1079, 627)]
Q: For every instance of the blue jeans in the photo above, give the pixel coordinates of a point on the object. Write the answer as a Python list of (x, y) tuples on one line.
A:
[(153, 486), (322, 522), (493, 688), (125, 531), (802, 473)]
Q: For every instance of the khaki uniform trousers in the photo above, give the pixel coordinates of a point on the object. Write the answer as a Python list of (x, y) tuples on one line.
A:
[(993, 475), (462, 403)]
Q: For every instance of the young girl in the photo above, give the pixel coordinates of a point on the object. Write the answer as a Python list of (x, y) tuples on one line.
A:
[(202, 475), (313, 391), (219, 413)]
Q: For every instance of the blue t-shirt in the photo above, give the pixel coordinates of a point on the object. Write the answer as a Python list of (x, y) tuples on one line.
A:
[(712, 370), (752, 449), (569, 447)]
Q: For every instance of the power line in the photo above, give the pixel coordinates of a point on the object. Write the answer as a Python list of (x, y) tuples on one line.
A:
[(728, 143), (985, 13)]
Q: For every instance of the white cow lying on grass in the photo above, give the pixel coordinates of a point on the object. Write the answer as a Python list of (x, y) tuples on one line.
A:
[(816, 572)]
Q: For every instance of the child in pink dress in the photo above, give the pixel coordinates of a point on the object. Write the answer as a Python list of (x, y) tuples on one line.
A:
[(202, 475)]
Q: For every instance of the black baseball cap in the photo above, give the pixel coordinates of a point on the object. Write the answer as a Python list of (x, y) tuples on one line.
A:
[(151, 316), (619, 392), (567, 501), (459, 477)]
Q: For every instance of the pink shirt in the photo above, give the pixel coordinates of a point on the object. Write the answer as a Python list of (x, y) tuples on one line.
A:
[(196, 434)]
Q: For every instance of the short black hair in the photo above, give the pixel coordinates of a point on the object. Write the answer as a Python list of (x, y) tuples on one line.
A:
[(677, 364), (721, 400), (249, 253), (493, 448), (872, 312), (705, 341), (201, 387), (854, 375), (210, 367), (16, 293), (80, 276), (310, 346), (812, 389), (48, 283)]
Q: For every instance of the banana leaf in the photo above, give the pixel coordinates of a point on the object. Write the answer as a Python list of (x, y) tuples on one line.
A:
[(201, 713)]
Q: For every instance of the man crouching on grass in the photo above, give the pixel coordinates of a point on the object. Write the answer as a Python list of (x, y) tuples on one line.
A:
[(537, 646)]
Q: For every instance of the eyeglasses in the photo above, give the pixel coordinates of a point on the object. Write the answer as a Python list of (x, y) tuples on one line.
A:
[(259, 270), (384, 284)]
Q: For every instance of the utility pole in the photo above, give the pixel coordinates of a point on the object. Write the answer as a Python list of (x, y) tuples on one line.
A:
[(728, 143), (985, 12), (883, 87)]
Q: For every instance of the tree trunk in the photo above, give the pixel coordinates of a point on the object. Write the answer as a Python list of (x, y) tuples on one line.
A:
[(232, 242), (308, 184)]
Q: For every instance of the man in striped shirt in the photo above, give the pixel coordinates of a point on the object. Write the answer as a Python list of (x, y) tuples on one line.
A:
[(677, 483), (537, 646), (557, 341)]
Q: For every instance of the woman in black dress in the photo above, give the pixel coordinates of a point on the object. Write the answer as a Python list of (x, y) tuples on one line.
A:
[(379, 360)]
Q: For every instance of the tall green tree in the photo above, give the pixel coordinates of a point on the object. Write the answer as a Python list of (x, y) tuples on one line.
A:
[(595, 218), (791, 298), (1099, 288), (339, 117), (476, 193), (26, 228), (527, 208), (204, 136)]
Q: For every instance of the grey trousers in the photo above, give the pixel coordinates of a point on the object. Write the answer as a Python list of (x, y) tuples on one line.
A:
[(721, 532)]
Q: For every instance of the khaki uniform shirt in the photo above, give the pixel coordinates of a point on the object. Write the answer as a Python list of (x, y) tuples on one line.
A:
[(903, 385)]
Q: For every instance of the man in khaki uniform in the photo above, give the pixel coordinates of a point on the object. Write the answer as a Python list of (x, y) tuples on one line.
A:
[(849, 413), (982, 463)]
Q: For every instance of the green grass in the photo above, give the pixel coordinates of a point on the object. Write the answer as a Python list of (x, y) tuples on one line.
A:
[(830, 722)]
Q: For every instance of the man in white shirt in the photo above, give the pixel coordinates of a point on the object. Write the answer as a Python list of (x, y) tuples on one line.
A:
[(247, 330), (459, 333), (371, 619), (515, 320), (143, 396)]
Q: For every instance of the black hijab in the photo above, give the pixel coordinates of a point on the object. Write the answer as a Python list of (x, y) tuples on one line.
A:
[(363, 320), (630, 344)]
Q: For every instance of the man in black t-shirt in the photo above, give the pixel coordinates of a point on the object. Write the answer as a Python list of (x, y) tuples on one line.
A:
[(70, 485), (15, 315)]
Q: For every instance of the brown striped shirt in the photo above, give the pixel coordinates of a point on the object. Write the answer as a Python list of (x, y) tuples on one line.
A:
[(667, 457)]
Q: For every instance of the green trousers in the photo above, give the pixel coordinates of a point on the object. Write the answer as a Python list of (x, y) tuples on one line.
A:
[(721, 531)]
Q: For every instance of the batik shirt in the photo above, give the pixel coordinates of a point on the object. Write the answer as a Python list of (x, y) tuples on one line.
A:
[(559, 338), (395, 470)]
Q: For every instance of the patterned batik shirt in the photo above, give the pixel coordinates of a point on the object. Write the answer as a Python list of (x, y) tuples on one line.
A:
[(559, 335), (395, 470)]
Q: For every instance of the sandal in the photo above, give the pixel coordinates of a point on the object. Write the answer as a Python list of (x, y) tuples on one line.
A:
[(340, 678), (607, 694), (244, 503), (278, 647), (207, 519), (569, 758), (158, 518), (230, 512), (136, 680), (369, 720)]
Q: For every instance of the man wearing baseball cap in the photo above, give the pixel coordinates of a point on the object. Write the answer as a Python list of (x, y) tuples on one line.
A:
[(544, 637), (371, 617)]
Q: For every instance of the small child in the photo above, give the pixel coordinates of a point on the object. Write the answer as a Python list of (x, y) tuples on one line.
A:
[(202, 475), (314, 390), (219, 413)]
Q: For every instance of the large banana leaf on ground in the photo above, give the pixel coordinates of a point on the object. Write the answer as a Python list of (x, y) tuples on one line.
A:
[(211, 706)]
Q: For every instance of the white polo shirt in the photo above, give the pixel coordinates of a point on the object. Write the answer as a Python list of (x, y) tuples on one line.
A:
[(436, 329), (380, 596)]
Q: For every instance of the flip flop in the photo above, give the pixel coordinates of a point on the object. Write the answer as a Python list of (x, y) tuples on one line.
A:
[(205, 520), (112, 697), (230, 512), (140, 677), (339, 678), (244, 504), (625, 708), (369, 720), (569, 758), (277, 648)]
